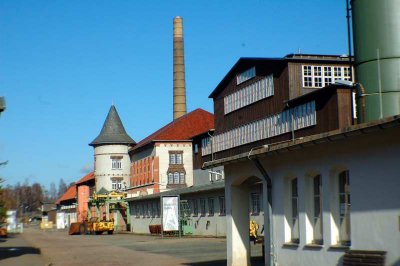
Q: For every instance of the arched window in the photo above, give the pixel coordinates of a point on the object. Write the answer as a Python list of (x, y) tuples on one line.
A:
[(170, 178), (182, 178), (176, 178)]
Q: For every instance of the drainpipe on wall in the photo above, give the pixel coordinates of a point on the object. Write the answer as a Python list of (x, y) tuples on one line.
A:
[(269, 219)]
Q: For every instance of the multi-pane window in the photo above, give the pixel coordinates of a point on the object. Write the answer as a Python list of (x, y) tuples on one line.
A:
[(154, 209), (202, 207), (210, 206), (137, 208), (246, 75), (221, 205), (176, 178), (322, 76), (255, 203), (295, 235), (172, 158), (179, 158), (149, 209), (176, 158), (344, 208), (295, 118), (116, 184), (317, 213), (195, 207), (252, 93), (116, 163), (181, 178)]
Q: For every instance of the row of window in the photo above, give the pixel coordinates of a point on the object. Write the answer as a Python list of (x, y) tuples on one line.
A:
[(246, 75), (292, 119), (176, 178), (254, 92), (150, 209), (321, 76), (341, 210), (197, 207)]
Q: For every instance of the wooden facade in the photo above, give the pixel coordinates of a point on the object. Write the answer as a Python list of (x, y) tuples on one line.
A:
[(333, 104)]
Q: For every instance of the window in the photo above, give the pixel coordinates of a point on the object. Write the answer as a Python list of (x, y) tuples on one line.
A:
[(344, 208), (116, 184), (149, 210), (142, 212), (255, 203), (202, 207), (116, 163), (181, 178), (154, 210), (176, 178), (137, 208), (172, 158), (210, 206), (196, 148), (295, 118), (317, 213), (295, 238), (314, 77), (221, 205), (254, 92), (246, 75), (179, 158), (170, 178), (195, 207), (176, 157)]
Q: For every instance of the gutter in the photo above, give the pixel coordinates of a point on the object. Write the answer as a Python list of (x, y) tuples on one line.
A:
[(269, 217)]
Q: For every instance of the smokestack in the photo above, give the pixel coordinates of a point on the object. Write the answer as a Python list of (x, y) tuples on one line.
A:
[(179, 70)]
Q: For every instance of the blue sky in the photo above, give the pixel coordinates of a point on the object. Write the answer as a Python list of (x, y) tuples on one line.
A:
[(63, 63)]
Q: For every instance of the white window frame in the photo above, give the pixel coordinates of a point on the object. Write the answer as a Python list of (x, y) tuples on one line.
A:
[(116, 163)]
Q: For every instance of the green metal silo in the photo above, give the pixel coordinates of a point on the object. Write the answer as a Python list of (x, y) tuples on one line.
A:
[(376, 35)]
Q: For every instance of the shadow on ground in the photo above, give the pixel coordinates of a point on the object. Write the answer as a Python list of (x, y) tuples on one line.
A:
[(254, 261), (10, 252)]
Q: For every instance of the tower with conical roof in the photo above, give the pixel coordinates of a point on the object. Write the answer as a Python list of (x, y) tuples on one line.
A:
[(111, 158)]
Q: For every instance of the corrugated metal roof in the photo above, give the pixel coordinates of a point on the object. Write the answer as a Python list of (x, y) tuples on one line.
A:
[(113, 131), (182, 191)]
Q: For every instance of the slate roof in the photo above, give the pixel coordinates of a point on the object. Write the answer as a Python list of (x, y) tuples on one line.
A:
[(113, 131), (86, 178), (102, 191), (70, 194), (184, 128)]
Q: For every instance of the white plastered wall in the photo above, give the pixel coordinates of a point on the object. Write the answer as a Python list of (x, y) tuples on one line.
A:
[(372, 161), (103, 165), (162, 151)]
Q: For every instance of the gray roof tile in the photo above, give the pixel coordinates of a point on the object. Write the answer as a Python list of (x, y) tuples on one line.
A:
[(113, 131)]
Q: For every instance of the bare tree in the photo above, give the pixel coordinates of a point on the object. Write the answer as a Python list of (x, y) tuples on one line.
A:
[(62, 188), (52, 192)]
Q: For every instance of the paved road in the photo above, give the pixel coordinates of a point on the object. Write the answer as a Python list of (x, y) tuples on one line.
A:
[(56, 247)]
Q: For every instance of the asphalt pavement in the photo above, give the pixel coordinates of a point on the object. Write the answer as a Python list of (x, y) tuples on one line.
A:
[(56, 247)]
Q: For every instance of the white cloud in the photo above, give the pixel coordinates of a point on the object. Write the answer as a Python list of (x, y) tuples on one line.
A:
[(87, 168)]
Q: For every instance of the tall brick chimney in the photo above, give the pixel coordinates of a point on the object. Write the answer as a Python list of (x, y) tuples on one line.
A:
[(179, 70)]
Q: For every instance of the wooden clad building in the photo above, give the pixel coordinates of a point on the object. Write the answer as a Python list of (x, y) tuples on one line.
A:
[(267, 100)]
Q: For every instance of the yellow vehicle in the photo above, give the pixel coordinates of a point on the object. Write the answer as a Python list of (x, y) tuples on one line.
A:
[(93, 226)]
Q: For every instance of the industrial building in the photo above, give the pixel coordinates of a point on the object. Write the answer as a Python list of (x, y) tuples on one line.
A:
[(330, 181)]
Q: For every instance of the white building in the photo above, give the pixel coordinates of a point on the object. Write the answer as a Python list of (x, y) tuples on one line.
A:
[(331, 193)]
